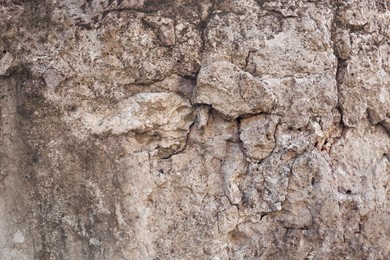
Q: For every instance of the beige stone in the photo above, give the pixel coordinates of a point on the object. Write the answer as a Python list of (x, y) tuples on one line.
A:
[(161, 129), (231, 91)]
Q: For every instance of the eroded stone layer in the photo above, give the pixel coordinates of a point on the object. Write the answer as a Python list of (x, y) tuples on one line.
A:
[(194, 129)]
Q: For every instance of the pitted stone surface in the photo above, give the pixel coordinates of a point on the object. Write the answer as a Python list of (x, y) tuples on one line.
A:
[(232, 91), (186, 129)]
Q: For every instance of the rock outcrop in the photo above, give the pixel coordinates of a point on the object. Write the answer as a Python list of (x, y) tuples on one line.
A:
[(151, 129)]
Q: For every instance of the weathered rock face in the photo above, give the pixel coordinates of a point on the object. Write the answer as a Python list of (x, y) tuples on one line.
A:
[(231, 91), (152, 129)]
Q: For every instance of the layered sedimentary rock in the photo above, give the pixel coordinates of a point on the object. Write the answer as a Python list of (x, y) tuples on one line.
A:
[(152, 129)]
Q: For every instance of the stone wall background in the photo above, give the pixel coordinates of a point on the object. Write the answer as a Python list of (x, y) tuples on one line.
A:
[(213, 129)]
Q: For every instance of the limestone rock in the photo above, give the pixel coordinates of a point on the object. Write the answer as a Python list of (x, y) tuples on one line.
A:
[(231, 91), (232, 168), (5, 64), (165, 29), (164, 117), (258, 135), (194, 129)]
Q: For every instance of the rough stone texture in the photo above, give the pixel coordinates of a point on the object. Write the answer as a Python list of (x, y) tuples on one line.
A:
[(151, 129), (231, 91)]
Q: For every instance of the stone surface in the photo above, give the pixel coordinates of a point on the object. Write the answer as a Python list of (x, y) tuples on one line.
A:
[(257, 134), (232, 91), (156, 119), (185, 129)]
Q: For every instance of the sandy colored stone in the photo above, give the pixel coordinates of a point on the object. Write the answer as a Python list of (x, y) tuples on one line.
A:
[(232, 91), (185, 129), (257, 135)]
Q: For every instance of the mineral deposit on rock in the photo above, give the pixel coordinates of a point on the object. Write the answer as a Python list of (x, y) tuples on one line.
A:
[(184, 129)]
